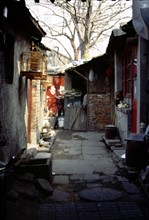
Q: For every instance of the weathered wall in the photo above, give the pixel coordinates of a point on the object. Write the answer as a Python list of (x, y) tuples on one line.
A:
[(13, 111), (123, 122)]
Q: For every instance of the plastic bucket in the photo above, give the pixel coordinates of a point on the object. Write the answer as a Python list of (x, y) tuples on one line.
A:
[(61, 122)]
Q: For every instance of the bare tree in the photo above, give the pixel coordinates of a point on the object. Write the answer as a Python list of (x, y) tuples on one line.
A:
[(80, 27)]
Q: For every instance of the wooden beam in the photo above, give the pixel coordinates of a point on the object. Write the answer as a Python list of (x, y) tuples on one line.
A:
[(81, 75)]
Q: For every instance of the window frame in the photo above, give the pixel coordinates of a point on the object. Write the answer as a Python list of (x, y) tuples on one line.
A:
[(128, 74)]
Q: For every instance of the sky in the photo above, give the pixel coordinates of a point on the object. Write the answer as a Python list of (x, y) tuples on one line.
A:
[(41, 13)]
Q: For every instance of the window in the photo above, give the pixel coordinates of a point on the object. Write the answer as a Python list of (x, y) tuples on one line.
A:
[(129, 68), (6, 58)]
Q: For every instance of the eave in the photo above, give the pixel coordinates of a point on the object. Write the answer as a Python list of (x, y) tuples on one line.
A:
[(20, 19), (118, 37)]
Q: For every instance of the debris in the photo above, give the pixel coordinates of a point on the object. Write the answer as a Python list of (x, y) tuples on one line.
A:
[(26, 189), (2, 164), (29, 177), (12, 194), (29, 153), (44, 186), (144, 175)]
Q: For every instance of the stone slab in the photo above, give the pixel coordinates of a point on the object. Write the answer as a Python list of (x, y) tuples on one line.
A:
[(60, 196), (93, 150), (91, 136), (83, 166), (130, 188), (85, 177), (91, 177), (42, 155), (100, 194), (60, 179), (73, 167), (44, 186), (92, 144)]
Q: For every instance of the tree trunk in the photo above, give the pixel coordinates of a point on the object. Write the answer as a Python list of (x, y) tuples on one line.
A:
[(85, 52)]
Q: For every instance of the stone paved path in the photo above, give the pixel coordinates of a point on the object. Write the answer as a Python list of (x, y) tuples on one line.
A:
[(80, 211), (81, 161)]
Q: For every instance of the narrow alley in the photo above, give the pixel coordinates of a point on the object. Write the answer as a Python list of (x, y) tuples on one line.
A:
[(88, 182), (59, 95)]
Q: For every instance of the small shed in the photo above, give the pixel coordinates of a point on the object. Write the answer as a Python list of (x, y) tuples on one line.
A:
[(92, 84)]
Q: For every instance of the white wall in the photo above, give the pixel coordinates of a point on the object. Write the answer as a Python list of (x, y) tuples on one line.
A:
[(122, 121)]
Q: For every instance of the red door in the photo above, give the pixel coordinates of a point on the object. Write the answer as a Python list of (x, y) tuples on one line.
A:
[(53, 92)]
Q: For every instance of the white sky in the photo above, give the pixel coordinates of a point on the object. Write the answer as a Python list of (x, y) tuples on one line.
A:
[(41, 13)]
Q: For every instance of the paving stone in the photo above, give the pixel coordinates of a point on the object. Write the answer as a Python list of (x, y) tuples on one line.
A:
[(65, 208), (122, 179), (85, 177), (47, 208), (51, 216), (89, 216), (67, 157), (110, 215), (130, 187), (91, 177), (43, 149), (12, 194), (131, 214), (92, 150), (91, 157), (109, 211), (100, 194), (135, 197), (75, 150), (94, 145), (12, 207), (76, 166), (107, 206), (119, 152), (76, 177), (60, 196), (84, 207), (26, 189), (66, 216), (43, 155), (84, 166), (127, 205), (60, 179), (44, 186), (88, 136), (94, 185), (107, 178)]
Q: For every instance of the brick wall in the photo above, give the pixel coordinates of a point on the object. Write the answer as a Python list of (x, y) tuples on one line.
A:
[(99, 111), (36, 111), (100, 108)]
